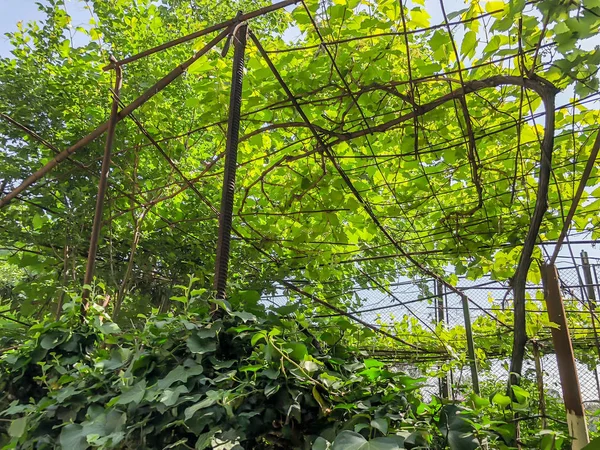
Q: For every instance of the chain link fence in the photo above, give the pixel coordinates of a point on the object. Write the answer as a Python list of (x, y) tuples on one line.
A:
[(425, 304)]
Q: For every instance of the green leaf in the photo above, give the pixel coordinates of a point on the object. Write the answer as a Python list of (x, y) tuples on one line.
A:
[(110, 328), (380, 424), (258, 337), (286, 310), (271, 389), (349, 440), (38, 222), (245, 316), (64, 48), (521, 395), (593, 445), (179, 374), (53, 339), (134, 395), (296, 350), (455, 427), (204, 440), (17, 427), (170, 396), (201, 346), (203, 64), (492, 6), (73, 437), (320, 444), (211, 399), (469, 44), (501, 400), (372, 363)]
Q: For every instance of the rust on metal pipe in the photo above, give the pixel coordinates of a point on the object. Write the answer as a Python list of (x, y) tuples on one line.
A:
[(197, 34), (233, 128), (569, 380), (102, 184)]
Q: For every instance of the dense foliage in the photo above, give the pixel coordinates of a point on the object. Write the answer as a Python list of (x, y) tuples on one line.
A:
[(249, 380)]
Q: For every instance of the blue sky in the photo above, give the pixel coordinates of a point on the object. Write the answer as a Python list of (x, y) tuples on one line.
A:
[(13, 11)]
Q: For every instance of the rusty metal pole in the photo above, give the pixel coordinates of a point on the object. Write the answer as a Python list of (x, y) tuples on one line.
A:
[(567, 369), (470, 344), (439, 313), (102, 184), (233, 127), (591, 298)]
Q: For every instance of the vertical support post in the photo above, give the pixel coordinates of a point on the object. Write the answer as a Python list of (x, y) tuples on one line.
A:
[(591, 297), (439, 312), (233, 127), (563, 347), (102, 184), (470, 344), (539, 376)]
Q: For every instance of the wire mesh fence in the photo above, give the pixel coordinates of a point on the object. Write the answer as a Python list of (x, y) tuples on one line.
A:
[(426, 304)]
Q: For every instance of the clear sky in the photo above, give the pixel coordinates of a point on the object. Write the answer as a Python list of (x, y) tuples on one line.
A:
[(13, 11)]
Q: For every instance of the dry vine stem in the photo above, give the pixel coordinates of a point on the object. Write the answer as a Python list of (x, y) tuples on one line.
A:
[(548, 94)]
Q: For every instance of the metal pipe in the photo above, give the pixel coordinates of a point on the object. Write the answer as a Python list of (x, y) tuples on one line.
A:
[(233, 128), (197, 34), (102, 184), (567, 369), (444, 378), (591, 297), (470, 344)]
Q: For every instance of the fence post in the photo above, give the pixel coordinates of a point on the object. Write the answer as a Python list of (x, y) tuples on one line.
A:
[(238, 37), (539, 376), (439, 312), (563, 347), (591, 297), (470, 344)]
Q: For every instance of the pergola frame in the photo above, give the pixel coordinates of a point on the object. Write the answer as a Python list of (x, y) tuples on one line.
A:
[(235, 29)]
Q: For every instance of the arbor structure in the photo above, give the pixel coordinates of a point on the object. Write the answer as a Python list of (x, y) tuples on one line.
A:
[(387, 139)]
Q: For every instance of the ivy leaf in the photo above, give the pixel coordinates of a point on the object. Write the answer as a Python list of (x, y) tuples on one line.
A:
[(380, 424), (349, 440), (205, 439), (201, 346), (52, 339), (133, 395), (245, 316), (72, 437), (177, 374), (211, 399), (170, 396)]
